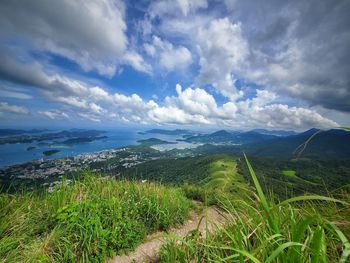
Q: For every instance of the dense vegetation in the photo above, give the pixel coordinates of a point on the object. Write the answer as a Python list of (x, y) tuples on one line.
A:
[(173, 171), (87, 220), (94, 217), (300, 229), (309, 175)]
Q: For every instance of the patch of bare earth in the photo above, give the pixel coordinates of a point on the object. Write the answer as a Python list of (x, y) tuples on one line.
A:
[(149, 250)]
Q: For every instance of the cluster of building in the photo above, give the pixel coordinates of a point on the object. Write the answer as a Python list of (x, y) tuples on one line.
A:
[(46, 168)]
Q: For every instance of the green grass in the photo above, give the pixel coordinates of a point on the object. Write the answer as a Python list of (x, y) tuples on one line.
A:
[(289, 173), (292, 174), (258, 229), (88, 220), (94, 217), (223, 183)]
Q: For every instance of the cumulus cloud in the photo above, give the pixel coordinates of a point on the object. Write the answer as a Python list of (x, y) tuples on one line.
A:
[(177, 7), (222, 51), (196, 106), (170, 57), (301, 50), (90, 33), (189, 106), (272, 71), (5, 107)]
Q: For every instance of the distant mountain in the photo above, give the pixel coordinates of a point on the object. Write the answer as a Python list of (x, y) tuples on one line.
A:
[(275, 132), (216, 137), (253, 137), (308, 132), (39, 137), (168, 132), (226, 137), (325, 144), (10, 132), (154, 141)]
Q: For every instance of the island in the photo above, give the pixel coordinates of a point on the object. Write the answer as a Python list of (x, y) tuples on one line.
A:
[(167, 132), (154, 141), (50, 152), (44, 137), (10, 132)]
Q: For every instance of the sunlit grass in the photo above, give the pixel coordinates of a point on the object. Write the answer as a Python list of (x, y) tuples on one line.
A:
[(223, 183), (300, 229), (89, 220)]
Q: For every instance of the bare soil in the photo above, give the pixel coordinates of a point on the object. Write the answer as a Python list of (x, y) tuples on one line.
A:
[(207, 220)]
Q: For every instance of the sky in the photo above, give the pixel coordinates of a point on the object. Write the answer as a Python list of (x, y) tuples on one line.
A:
[(175, 63)]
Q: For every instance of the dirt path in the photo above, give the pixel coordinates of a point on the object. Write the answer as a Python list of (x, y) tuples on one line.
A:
[(148, 251)]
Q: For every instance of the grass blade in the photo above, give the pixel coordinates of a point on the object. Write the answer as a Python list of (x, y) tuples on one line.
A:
[(280, 249), (317, 246), (312, 197), (262, 197), (346, 251)]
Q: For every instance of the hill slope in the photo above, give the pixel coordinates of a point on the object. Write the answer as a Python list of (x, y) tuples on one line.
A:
[(325, 144), (87, 220)]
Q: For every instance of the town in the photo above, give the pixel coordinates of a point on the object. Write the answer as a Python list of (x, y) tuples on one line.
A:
[(102, 161)]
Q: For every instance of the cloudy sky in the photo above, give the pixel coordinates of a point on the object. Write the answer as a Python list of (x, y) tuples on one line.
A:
[(192, 63)]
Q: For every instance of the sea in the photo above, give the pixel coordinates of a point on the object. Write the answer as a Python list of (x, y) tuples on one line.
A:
[(11, 154)]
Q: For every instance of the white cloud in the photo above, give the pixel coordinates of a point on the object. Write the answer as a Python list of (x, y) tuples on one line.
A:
[(196, 106), (173, 115), (176, 7), (188, 106), (150, 49), (5, 107), (14, 94), (222, 51), (170, 57), (89, 117), (91, 33), (194, 101), (187, 6), (54, 114), (137, 62)]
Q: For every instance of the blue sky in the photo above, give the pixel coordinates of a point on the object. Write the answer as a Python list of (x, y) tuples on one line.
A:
[(197, 64)]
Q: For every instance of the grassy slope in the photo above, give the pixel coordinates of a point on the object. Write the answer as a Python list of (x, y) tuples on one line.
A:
[(88, 220), (289, 173), (292, 174), (99, 211), (261, 231), (173, 171), (223, 182)]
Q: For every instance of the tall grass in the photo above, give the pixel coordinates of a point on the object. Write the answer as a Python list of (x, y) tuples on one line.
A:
[(88, 220), (223, 183), (300, 229)]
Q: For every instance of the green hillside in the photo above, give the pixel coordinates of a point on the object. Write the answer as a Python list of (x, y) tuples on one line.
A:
[(85, 221), (301, 229), (92, 218)]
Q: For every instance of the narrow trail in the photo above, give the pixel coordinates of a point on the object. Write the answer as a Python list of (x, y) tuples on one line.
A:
[(149, 250)]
